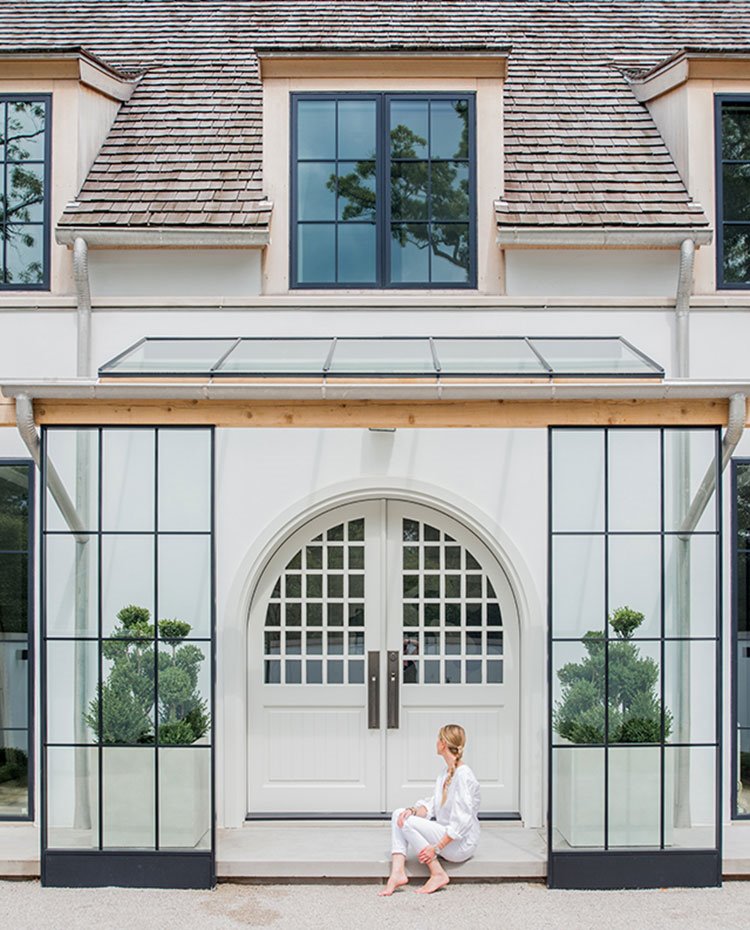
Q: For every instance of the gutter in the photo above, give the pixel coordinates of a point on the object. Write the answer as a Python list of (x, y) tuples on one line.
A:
[(598, 237), (153, 237)]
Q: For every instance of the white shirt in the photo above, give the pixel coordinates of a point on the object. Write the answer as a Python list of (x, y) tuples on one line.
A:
[(459, 813)]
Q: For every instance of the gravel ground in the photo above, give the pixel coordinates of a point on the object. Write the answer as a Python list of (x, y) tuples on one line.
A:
[(508, 906)]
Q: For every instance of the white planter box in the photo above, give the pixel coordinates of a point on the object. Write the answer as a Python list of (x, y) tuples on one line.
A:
[(634, 796)]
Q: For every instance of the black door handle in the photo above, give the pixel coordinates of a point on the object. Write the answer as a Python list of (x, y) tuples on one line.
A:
[(393, 684), (373, 690)]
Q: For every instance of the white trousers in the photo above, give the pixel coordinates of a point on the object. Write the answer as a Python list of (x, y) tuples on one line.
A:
[(418, 832)]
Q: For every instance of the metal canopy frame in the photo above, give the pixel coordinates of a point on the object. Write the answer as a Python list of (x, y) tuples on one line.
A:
[(440, 368)]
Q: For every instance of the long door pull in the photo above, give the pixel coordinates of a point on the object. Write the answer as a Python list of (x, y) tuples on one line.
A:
[(373, 690), (393, 683)]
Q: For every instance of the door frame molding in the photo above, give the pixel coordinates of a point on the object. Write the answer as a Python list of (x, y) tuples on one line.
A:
[(232, 679)]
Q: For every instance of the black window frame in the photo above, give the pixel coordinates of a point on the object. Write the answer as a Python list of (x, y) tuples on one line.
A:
[(383, 191), (719, 101), (44, 285), (30, 641), (735, 601)]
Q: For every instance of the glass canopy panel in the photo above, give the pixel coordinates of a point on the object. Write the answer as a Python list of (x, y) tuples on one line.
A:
[(163, 356), (382, 357), (487, 356), (277, 356), (593, 356)]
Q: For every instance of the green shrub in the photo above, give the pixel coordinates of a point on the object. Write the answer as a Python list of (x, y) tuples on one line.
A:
[(634, 707)]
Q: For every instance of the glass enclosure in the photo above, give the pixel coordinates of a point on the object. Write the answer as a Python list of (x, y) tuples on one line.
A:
[(16, 670), (741, 592), (128, 644), (634, 656)]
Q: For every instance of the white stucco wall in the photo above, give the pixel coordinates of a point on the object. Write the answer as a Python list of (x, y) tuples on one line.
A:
[(591, 273), (174, 272)]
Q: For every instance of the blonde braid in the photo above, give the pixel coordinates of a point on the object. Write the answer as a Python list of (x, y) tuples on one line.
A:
[(455, 739)]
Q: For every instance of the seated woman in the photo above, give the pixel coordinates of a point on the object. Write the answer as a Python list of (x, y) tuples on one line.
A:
[(445, 824)]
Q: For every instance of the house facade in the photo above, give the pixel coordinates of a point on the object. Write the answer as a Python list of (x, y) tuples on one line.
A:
[(364, 369)]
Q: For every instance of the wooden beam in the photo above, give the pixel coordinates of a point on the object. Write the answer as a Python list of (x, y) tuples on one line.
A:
[(7, 412), (403, 414)]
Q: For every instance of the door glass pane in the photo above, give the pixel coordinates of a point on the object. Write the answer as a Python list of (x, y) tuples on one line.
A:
[(14, 507), (128, 801), (14, 773), (14, 593)]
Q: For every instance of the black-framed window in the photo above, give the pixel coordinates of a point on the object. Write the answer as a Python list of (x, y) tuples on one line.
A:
[(383, 190), (25, 139), (741, 638), (16, 639), (634, 657), (128, 656)]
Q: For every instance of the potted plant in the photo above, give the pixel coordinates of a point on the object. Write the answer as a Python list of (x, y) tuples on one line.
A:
[(634, 712), (123, 715)]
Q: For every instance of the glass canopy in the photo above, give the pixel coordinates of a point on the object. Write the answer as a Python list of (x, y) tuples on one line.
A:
[(376, 356)]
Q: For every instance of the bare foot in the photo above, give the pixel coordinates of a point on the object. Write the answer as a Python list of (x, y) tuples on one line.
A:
[(394, 882), (434, 883)]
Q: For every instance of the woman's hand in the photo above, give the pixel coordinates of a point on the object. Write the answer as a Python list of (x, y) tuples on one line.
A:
[(427, 854), (403, 816)]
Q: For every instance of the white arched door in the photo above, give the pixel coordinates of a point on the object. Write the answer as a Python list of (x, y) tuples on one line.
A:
[(372, 626)]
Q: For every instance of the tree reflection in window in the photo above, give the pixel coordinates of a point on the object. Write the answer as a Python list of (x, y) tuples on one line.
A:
[(23, 125)]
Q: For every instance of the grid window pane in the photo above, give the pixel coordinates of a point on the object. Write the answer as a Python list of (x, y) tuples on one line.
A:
[(14, 773)]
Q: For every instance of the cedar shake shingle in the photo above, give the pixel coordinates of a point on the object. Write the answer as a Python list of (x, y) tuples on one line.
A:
[(186, 148)]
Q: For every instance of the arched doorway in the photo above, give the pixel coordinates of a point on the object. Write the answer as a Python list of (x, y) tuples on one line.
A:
[(371, 626)]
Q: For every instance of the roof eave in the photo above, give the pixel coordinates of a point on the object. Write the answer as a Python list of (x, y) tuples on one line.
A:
[(174, 237), (602, 237)]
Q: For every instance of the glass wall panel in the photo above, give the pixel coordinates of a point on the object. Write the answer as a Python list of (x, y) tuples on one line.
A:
[(127, 578), (741, 625), (634, 480), (690, 796), (72, 787), (128, 798), (184, 481), (635, 580), (72, 679), (743, 772), (578, 584), (72, 585), (185, 582), (578, 806), (578, 481), (15, 481), (654, 558), (14, 683), (14, 773), (184, 689), (14, 592), (128, 480), (72, 466), (185, 798)]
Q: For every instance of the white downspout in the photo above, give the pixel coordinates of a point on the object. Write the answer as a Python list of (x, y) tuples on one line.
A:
[(83, 298), (682, 308)]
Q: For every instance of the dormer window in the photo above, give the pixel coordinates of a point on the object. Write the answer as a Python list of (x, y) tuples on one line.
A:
[(383, 190), (733, 191), (24, 163)]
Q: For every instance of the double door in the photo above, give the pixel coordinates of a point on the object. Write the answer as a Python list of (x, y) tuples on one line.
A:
[(373, 626)]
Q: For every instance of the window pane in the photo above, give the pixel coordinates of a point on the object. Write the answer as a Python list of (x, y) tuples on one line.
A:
[(25, 194), (316, 128), (24, 254), (14, 684), (127, 577), (743, 506), (316, 255), (690, 585), (634, 677), (449, 129), (577, 585), (185, 582), (128, 479), (409, 128), (72, 797), (184, 798), (128, 675), (688, 455), (578, 692), (71, 586), (735, 131), (736, 188), (14, 506), (634, 480), (578, 805), (450, 253), (690, 688), (690, 791), (634, 796), (184, 480), (578, 481), (184, 691), (14, 591), (743, 775), (316, 190), (410, 260), (410, 183), (356, 191), (128, 807), (449, 186), (736, 254), (357, 121), (73, 455), (14, 773), (356, 253), (635, 580), (72, 678)]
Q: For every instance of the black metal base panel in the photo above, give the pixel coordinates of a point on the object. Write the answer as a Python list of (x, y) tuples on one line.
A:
[(72, 869), (625, 869)]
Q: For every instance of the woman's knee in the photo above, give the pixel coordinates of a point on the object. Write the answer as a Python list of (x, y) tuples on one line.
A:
[(397, 813)]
